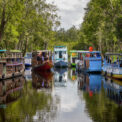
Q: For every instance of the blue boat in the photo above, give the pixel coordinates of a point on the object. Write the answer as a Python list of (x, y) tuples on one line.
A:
[(28, 59), (89, 61), (60, 56), (112, 65)]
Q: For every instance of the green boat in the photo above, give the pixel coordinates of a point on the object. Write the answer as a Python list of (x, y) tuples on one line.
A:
[(73, 57)]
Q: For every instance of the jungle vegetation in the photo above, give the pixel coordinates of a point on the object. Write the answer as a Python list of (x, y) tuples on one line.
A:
[(30, 25)]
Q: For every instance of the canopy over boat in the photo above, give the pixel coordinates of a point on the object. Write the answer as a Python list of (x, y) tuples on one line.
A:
[(88, 51), (15, 51), (59, 46), (109, 53), (2, 50)]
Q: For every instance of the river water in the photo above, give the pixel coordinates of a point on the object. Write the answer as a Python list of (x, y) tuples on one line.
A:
[(60, 96)]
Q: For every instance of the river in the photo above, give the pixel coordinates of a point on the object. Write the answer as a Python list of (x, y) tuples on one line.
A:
[(60, 96)]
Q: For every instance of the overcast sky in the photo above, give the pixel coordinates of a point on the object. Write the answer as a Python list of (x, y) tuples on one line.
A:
[(70, 11)]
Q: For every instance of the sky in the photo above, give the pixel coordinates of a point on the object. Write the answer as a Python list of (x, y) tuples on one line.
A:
[(70, 11)]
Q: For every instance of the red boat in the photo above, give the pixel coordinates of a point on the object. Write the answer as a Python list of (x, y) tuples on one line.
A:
[(42, 60)]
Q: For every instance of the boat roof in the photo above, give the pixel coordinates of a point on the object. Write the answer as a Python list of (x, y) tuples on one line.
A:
[(110, 53), (2, 50), (74, 51), (42, 51), (28, 52), (88, 52), (15, 51), (59, 46)]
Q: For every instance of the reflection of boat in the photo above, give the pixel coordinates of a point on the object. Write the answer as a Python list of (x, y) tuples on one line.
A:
[(112, 65), (73, 74), (90, 82), (10, 89), (113, 89), (89, 61), (42, 60), (28, 58), (28, 73), (60, 77), (60, 56), (11, 64), (42, 79)]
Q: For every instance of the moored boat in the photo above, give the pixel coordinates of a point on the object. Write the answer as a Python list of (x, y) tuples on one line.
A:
[(11, 64), (28, 58), (42, 60), (112, 65), (73, 57), (60, 56), (89, 61)]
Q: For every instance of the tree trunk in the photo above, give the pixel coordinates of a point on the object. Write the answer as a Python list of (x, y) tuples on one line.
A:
[(2, 25), (45, 45), (26, 44)]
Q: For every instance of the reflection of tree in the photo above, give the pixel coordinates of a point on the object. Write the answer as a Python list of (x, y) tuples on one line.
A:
[(101, 109), (31, 104)]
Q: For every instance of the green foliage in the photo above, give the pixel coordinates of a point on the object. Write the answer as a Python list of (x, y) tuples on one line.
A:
[(102, 25), (27, 24)]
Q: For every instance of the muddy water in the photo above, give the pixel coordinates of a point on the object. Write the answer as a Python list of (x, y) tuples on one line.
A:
[(61, 96)]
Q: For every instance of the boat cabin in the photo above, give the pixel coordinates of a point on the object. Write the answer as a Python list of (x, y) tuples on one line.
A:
[(60, 56), (89, 61), (42, 59), (11, 63), (112, 65), (28, 59)]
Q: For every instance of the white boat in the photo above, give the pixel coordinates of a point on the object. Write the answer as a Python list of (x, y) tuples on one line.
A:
[(28, 59), (60, 56), (112, 65)]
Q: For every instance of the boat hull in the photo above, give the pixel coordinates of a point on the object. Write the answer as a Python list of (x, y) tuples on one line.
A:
[(116, 76), (61, 64), (27, 65), (73, 64), (44, 67)]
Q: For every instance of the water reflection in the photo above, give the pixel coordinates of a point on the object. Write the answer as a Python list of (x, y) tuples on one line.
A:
[(55, 97), (73, 74), (32, 105), (10, 90), (113, 89), (28, 72), (90, 82), (60, 77), (42, 79), (96, 94)]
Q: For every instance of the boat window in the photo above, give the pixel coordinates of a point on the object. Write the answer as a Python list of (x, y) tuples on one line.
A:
[(87, 55), (29, 55), (60, 54), (92, 55), (73, 60), (55, 52), (120, 63)]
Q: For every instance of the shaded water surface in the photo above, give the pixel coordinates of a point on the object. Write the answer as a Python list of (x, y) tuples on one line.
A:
[(62, 96)]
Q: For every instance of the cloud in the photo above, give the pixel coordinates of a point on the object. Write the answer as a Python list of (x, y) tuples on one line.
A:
[(70, 11)]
